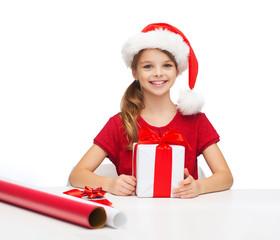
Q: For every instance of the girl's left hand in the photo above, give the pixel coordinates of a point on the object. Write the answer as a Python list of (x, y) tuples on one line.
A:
[(188, 188)]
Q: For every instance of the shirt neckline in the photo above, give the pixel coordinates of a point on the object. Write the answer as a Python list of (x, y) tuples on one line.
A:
[(140, 119)]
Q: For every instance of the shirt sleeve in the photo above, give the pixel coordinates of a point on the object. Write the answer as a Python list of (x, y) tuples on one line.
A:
[(207, 134), (107, 139)]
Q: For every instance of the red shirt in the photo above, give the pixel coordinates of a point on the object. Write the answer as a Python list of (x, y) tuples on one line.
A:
[(196, 129)]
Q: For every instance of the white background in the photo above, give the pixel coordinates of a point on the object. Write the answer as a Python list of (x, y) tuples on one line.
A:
[(62, 76)]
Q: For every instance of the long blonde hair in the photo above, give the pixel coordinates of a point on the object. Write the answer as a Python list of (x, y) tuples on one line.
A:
[(133, 102)]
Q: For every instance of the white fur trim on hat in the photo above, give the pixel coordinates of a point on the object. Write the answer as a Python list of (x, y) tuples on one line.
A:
[(189, 102), (161, 39)]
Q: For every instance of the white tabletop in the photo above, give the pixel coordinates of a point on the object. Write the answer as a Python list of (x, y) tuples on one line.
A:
[(233, 214)]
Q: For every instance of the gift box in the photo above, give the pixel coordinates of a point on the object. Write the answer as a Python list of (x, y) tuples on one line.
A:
[(158, 178), (158, 163)]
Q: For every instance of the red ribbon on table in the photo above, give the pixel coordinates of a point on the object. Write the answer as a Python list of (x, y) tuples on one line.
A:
[(91, 194), (163, 158)]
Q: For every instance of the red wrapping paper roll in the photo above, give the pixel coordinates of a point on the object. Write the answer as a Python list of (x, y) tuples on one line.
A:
[(66, 209)]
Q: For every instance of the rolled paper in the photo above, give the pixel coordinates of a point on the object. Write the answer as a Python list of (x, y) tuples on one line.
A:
[(88, 215), (115, 217)]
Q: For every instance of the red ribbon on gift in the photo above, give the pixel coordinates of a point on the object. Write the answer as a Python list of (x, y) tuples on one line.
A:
[(163, 158), (91, 194)]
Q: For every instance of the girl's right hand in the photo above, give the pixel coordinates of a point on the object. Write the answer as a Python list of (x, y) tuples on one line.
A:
[(123, 185)]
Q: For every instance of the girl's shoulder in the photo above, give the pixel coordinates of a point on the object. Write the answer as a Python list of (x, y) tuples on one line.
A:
[(115, 120), (112, 125), (195, 121), (191, 118)]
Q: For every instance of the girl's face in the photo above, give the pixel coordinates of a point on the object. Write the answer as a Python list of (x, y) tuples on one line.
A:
[(156, 72)]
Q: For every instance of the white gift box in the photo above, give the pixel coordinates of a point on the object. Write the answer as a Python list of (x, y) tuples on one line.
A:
[(145, 168)]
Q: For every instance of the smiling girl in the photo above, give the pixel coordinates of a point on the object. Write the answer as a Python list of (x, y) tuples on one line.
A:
[(156, 56)]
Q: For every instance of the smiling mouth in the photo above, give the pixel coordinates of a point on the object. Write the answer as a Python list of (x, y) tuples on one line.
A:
[(159, 82)]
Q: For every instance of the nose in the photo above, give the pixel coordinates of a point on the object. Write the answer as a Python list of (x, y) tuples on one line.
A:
[(158, 72)]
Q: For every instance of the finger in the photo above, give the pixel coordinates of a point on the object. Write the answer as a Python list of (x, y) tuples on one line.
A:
[(122, 191), (181, 189), (129, 180), (134, 178), (126, 191), (186, 172), (128, 187), (188, 180), (188, 195), (185, 193), (186, 175)]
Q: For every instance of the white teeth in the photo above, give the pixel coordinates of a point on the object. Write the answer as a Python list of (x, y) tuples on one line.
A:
[(158, 82)]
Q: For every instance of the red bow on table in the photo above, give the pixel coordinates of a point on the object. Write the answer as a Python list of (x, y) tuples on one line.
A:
[(94, 193), (163, 159), (91, 194)]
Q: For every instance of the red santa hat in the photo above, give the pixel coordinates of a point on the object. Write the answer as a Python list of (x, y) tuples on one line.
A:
[(166, 37)]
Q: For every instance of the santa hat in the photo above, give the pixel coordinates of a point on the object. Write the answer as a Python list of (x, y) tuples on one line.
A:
[(166, 37)]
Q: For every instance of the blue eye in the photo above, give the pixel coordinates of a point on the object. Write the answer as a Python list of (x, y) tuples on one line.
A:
[(147, 66), (167, 65)]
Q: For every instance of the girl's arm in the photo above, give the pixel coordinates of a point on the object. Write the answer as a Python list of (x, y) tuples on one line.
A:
[(220, 180), (83, 175)]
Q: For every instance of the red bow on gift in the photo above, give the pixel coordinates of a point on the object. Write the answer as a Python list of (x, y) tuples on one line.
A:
[(163, 158), (147, 136), (91, 193)]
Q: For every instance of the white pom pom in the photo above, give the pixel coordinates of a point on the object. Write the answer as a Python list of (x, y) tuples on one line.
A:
[(189, 102)]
